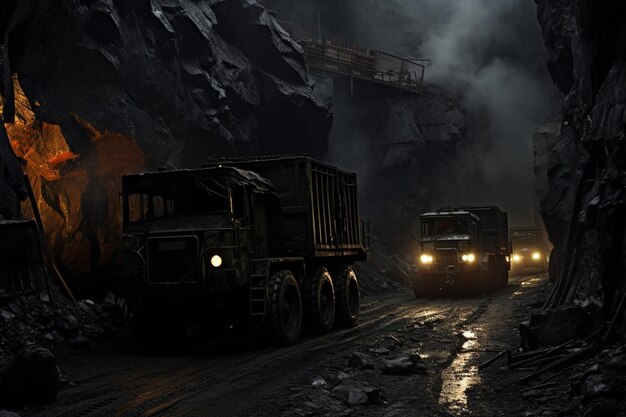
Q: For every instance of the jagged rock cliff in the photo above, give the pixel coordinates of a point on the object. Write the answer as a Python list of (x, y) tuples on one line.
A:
[(585, 208), (107, 87), (413, 153)]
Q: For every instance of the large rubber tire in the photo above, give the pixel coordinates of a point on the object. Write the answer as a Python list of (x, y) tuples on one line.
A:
[(347, 297), (318, 299), (504, 275), (285, 307)]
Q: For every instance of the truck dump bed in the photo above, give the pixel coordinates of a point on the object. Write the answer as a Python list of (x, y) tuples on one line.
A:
[(495, 228), (318, 202)]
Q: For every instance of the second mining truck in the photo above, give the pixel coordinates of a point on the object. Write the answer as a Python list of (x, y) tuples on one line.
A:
[(530, 249), (463, 250), (266, 242)]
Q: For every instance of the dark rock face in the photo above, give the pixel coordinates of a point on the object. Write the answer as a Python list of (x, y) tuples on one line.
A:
[(413, 153), (584, 207), (32, 378), (109, 87)]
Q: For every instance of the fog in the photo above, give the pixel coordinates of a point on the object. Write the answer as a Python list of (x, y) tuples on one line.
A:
[(492, 51), (487, 53)]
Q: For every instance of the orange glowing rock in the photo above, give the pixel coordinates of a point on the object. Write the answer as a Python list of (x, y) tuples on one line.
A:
[(63, 157), (76, 193)]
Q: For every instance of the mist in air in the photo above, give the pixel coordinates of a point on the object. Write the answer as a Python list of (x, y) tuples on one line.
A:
[(489, 56), (500, 75)]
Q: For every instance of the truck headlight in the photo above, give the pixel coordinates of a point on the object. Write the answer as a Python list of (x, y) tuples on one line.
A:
[(536, 256), (216, 261), (468, 257), (517, 258), (426, 259)]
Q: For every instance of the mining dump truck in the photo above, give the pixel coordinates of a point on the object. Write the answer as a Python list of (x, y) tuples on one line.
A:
[(463, 250), (530, 249), (266, 242)]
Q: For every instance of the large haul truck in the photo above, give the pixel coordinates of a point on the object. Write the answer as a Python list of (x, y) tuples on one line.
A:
[(530, 249), (463, 250), (267, 242)]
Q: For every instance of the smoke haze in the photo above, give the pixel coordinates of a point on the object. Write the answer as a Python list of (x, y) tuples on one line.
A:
[(488, 54)]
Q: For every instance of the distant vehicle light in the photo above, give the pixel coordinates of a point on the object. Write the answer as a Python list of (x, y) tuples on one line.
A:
[(468, 257), (216, 261), (517, 258), (426, 259), (536, 256)]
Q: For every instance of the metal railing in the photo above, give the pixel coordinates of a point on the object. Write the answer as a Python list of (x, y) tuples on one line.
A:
[(349, 60)]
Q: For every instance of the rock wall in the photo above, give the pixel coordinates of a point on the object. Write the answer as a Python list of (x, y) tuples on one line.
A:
[(413, 153), (107, 87), (585, 208)]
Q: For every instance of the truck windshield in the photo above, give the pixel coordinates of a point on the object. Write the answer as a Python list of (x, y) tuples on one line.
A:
[(179, 199), (445, 225), (526, 243)]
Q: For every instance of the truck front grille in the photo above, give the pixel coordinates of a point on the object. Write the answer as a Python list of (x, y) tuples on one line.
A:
[(172, 259), (446, 257)]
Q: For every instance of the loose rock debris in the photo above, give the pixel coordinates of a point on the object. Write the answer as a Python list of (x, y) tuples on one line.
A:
[(33, 326)]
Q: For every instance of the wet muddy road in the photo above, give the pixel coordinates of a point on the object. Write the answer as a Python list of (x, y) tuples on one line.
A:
[(452, 336)]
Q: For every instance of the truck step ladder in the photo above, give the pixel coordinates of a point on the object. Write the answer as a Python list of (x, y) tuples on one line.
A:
[(258, 290)]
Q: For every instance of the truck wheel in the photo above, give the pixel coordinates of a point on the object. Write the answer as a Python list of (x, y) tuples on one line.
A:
[(505, 276), (319, 301), (285, 307), (347, 297)]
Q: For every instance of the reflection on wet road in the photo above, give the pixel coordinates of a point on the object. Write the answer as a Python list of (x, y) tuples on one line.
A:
[(460, 376)]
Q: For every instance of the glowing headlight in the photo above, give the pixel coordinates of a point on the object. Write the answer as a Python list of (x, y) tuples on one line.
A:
[(517, 258), (536, 256), (216, 261), (468, 257), (426, 259)]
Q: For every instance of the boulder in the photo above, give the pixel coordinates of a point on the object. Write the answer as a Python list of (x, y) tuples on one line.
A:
[(349, 394), (556, 327), (32, 378), (406, 364), (360, 360)]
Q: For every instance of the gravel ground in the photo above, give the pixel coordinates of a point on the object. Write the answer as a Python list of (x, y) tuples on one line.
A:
[(409, 357)]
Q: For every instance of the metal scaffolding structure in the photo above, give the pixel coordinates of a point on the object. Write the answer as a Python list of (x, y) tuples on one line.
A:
[(345, 59)]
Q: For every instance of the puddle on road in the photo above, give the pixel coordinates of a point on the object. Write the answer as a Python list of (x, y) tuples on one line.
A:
[(532, 281), (460, 376)]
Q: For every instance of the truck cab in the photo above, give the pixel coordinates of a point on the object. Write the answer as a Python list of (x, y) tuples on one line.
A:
[(188, 237), (461, 251)]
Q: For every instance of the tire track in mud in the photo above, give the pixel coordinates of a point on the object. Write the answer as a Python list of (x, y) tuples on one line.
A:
[(152, 386), (306, 355)]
